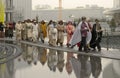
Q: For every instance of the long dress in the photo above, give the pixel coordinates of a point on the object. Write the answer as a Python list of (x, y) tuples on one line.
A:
[(70, 31), (18, 28), (52, 35), (35, 32), (60, 37), (42, 29), (29, 31), (24, 31)]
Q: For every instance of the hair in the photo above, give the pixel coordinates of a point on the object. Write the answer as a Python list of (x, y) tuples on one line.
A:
[(60, 22), (50, 22), (96, 20), (83, 18), (69, 22)]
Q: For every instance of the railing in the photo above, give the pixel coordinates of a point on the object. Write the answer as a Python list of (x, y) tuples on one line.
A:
[(111, 39)]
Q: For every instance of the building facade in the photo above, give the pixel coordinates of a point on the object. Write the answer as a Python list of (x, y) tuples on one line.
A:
[(9, 10), (67, 13), (116, 4), (23, 10), (116, 11)]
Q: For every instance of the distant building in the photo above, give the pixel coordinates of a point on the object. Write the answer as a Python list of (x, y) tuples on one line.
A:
[(39, 7), (77, 13), (116, 4), (115, 12), (23, 10)]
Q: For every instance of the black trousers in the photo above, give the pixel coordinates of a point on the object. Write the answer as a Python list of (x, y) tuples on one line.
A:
[(83, 44), (98, 44)]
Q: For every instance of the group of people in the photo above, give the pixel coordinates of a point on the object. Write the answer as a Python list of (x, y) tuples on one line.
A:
[(87, 36), (6, 29), (84, 34)]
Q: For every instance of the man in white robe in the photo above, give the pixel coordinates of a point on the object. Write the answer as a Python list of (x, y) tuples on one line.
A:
[(35, 31), (18, 29), (29, 30)]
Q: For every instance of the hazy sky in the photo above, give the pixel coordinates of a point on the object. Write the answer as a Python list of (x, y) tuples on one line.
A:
[(75, 3)]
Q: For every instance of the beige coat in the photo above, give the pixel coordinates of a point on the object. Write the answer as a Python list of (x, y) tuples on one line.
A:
[(60, 37)]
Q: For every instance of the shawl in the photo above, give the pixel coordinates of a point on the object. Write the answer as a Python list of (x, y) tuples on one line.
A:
[(76, 38)]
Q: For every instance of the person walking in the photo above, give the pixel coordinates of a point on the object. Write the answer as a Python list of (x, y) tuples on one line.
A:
[(96, 35), (69, 30), (81, 35), (1, 30), (60, 29), (42, 30), (18, 29), (84, 30), (52, 32)]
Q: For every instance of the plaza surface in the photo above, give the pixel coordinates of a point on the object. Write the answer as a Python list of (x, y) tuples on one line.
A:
[(41, 60)]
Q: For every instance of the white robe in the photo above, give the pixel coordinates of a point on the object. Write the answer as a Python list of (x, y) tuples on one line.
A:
[(35, 32), (76, 38), (18, 28)]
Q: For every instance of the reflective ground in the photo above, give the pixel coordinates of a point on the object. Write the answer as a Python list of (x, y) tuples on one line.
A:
[(36, 62)]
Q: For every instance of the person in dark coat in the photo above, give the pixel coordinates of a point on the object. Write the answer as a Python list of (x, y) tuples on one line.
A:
[(10, 30), (1, 30), (6, 29), (96, 36)]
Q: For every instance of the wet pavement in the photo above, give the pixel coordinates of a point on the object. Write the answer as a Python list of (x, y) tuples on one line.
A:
[(48, 62), (36, 62)]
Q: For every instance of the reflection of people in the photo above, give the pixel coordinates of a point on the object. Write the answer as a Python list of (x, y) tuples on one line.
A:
[(85, 66), (42, 55), (68, 64), (24, 54), (35, 55), (52, 60), (60, 63), (96, 66), (96, 36), (7, 70), (29, 57)]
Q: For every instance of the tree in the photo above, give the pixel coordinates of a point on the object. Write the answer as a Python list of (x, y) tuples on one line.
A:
[(112, 25)]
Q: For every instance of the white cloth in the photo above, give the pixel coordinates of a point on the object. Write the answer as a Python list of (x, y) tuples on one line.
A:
[(76, 38), (29, 30), (35, 32)]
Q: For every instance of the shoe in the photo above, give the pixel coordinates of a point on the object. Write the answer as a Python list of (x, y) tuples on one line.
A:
[(42, 41), (99, 50)]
